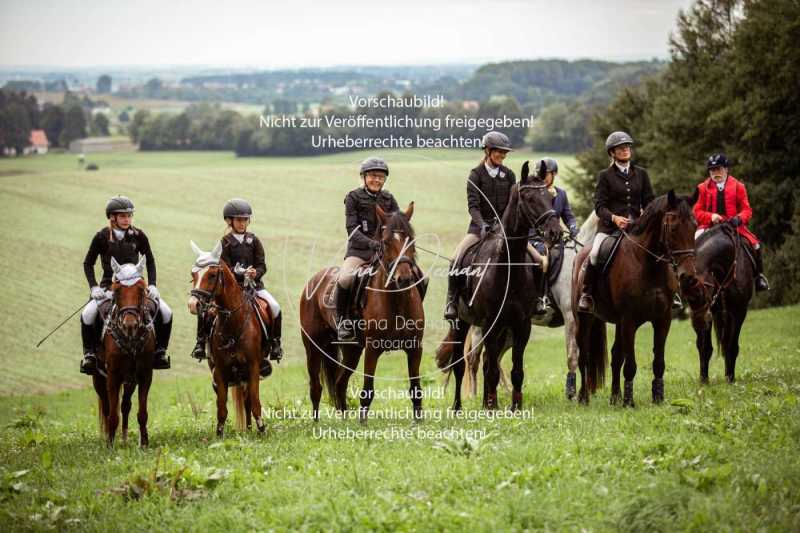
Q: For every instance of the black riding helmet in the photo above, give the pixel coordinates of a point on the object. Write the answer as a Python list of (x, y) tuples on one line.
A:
[(374, 163), (494, 140), (717, 160), (119, 204), (617, 138), (237, 208)]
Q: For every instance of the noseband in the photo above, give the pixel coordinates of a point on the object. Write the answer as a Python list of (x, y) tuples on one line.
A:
[(134, 343)]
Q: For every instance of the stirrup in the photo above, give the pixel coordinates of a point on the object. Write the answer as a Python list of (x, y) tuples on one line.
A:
[(276, 351), (266, 368), (199, 351), (450, 310), (345, 334), (161, 360), (761, 283), (89, 364), (586, 303)]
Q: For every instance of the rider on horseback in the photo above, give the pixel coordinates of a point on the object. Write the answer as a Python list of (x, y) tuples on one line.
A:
[(488, 191), (723, 198), (622, 192), (240, 247), (124, 242), (361, 223)]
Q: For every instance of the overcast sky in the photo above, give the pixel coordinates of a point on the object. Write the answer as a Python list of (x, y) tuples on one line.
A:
[(303, 33)]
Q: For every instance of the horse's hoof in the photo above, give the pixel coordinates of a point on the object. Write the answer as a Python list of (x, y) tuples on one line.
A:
[(658, 391), (260, 426), (616, 399), (583, 397), (456, 407), (731, 379), (516, 401), (569, 388), (703, 380)]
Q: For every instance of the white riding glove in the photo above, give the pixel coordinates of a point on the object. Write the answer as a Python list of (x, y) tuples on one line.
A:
[(98, 293), (152, 291)]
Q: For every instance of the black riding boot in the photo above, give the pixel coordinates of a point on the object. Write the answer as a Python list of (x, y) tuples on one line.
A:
[(344, 326), (276, 352), (451, 309), (88, 338), (199, 351), (761, 280), (266, 367), (586, 303), (163, 332)]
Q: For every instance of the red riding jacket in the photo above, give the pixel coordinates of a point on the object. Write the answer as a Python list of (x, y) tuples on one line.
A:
[(736, 204)]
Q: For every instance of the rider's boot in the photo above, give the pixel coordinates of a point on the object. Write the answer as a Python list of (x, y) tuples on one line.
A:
[(586, 302), (163, 332), (89, 361), (199, 351), (451, 310), (761, 280), (276, 351), (344, 329)]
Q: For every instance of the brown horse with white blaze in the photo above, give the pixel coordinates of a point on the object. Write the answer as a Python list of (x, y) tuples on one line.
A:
[(127, 351), (655, 258), (392, 294), (236, 337)]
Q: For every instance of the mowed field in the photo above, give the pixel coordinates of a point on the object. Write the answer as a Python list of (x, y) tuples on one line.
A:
[(713, 457)]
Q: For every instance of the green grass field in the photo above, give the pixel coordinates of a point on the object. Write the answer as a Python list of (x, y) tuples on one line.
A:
[(717, 457)]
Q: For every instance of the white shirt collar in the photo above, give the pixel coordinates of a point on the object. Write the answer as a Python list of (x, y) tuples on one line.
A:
[(119, 234), (720, 184), (238, 236), (623, 168), (493, 171)]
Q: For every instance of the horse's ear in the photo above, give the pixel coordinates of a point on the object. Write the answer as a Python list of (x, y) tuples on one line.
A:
[(196, 249), (672, 200), (381, 214), (541, 171), (140, 265), (410, 210), (114, 265), (693, 198), (525, 171), (216, 253)]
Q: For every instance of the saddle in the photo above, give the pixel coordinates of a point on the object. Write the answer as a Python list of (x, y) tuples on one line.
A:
[(608, 251), (104, 309)]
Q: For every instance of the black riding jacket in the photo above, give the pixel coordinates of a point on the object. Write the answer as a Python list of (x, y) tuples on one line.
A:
[(248, 253), (496, 193), (361, 221), (621, 195), (127, 250)]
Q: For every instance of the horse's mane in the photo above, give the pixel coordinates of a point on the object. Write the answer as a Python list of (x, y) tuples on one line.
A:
[(654, 211)]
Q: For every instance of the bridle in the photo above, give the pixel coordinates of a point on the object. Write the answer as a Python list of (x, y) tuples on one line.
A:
[(534, 221), (206, 300), (134, 343), (397, 261), (670, 257)]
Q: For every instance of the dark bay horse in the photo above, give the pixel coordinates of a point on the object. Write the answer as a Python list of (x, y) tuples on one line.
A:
[(655, 255), (236, 337), (126, 352), (504, 291), (727, 272), (392, 319)]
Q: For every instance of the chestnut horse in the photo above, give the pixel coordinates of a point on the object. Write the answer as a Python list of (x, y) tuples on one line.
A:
[(236, 336), (505, 293), (726, 270), (392, 318), (656, 253), (126, 352)]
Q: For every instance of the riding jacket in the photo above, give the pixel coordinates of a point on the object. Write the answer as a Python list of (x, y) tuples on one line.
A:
[(127, 250)]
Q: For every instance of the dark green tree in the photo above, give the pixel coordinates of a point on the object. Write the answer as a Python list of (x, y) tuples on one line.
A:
[(74, 126), (104, 84)]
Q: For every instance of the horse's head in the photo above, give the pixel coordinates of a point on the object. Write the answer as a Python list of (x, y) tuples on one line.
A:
[(397, 237), (677, 235), (535, 204), (208, 277), (129, 293)]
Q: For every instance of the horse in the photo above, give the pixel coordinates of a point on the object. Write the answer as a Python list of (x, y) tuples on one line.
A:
[(126, 351), (654, 257), (726, 271), (561, 291), (392, 316), (236, 337), (503, 296)]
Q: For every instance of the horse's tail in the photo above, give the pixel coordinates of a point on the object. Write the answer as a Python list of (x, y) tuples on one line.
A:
[(239, 395), (598, 356), (102, 420)]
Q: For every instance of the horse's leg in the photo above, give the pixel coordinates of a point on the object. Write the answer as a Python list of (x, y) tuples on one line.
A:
[(127, 392), (350, 357), (705, 348), (522, 333), (414, 357), (114, 386), (367, 393), (572, 353), (491, 374), (460, 330), (101, 388), (617, 358), (583, 328), (253, 399), (627, 338), (314, 366), (660, 332), (222, 401), (145, 378), (732, 330)]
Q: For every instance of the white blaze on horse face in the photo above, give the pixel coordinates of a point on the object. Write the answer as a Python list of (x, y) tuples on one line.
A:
[(200, 274)]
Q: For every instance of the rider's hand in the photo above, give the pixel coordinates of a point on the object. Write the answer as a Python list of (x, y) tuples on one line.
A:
[(152, 292), (736, 221), (98, 293), (715, 218), (250, 273), (620, 222), (485, 230)]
